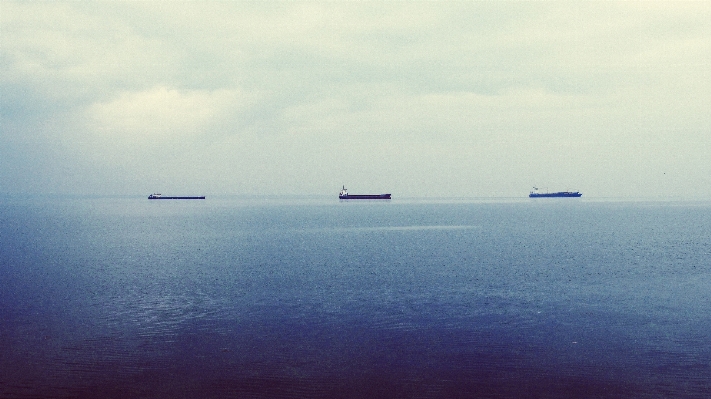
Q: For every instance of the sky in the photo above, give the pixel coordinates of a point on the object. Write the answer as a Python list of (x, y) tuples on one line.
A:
[(417, 99)]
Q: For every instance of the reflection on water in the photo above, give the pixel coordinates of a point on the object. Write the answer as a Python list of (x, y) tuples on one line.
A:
[(125, 299)]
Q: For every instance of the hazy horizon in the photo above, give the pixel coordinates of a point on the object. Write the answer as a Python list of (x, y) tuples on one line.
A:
[(465, 99)]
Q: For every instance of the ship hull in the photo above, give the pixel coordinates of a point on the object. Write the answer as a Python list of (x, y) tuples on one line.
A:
[(159, 198), (364, 196), (564, 194)]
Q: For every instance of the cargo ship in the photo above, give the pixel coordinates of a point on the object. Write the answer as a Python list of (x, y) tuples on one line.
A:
[(344, 195), (559, 194), (160, 196)]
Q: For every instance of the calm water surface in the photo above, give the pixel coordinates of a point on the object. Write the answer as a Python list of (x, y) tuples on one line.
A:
[(266, 298)]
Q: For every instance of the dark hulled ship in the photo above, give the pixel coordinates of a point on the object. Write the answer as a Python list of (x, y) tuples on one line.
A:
[(559, 194), (345, 196), (161, 196)]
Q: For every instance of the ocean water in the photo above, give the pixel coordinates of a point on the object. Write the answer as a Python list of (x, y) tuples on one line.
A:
[(320, 298)]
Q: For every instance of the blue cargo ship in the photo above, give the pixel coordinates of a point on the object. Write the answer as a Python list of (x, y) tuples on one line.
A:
[(344, 195), (559, 194)]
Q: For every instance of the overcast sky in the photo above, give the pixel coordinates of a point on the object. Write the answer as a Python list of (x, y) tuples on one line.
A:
[(481, 99)]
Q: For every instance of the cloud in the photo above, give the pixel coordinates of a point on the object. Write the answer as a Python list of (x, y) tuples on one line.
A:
[(428, 92), (74, 56), (160, 113)]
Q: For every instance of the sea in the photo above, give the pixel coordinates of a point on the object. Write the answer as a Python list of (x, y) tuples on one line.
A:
[(279, 297)]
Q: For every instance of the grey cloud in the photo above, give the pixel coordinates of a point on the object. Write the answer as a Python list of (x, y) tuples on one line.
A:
[(270, 97)]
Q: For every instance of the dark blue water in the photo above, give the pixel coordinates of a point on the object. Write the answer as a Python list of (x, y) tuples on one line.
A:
[(265, 298)]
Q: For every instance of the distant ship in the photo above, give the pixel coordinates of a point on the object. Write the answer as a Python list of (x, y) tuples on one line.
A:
[(344, 195), (536, 194), (160, 196)]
